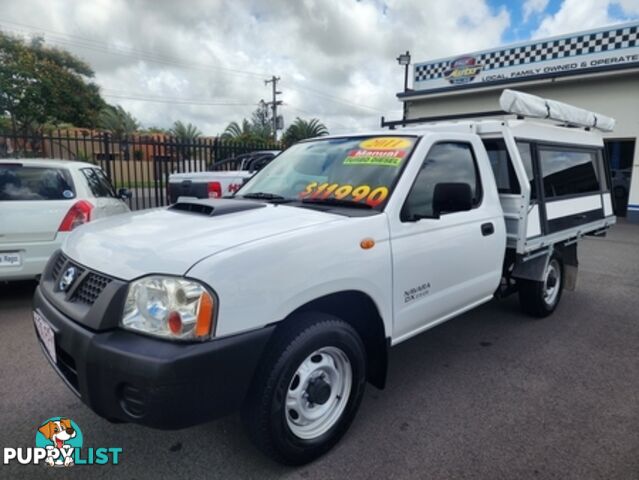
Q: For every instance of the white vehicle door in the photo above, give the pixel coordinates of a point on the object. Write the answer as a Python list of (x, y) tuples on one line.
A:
[(446, 263), (104, 196)]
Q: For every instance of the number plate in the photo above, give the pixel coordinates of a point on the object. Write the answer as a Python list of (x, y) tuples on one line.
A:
[(10, 259), (46, 334)]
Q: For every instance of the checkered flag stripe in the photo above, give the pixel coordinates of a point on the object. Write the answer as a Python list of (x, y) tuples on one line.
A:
[(548, 50)]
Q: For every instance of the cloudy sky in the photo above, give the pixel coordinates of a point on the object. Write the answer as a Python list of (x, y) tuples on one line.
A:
[(205, 61)]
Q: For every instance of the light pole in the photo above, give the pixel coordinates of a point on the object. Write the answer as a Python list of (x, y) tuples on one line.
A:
[(404, 59)]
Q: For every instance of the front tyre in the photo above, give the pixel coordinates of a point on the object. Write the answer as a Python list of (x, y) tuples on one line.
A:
[(540, 299), (307, 391)]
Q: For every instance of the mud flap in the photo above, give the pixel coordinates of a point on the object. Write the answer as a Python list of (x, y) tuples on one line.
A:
[(533, 266), (571, 265), (570, 277)]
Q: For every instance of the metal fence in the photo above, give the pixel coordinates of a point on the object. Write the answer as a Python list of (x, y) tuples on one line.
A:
[(141, 163)]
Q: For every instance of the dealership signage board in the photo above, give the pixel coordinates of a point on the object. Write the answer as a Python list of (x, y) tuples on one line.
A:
[(593, 50)]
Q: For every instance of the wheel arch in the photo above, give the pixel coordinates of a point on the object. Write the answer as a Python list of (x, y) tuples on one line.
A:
[(360, 311), (535, 267)]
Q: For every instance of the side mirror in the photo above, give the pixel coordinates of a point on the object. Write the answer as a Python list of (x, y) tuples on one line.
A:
[(452, 197), (124, 194)]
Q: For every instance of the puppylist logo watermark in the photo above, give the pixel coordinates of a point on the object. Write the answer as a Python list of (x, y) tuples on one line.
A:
[(59, 443)]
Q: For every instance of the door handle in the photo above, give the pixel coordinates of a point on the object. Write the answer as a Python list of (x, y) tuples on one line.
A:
[(487, 229)]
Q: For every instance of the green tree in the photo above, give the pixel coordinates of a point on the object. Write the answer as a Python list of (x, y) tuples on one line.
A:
[(50, 127), (243, 133), (5, 124), (234, 131), (258, 129), (261, 121), (301, 129), (154, 130), (118, 121), (41, 84), (185, 133)]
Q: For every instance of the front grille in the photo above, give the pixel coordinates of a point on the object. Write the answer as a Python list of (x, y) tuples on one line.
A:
[(57, 266), (91, 285), (78, 270), (90, 288), (60, 263)]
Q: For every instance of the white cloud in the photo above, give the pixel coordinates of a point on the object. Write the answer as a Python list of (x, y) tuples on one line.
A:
[(336, 58), (630, 7), (576, 15), (533, 7)]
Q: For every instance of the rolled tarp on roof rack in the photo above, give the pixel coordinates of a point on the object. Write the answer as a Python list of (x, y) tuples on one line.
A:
[(528, 105)]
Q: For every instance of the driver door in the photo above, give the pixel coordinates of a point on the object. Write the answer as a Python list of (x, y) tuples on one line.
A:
[(444, 265)]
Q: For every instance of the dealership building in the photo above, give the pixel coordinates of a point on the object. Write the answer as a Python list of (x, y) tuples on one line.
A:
[(597, 70)]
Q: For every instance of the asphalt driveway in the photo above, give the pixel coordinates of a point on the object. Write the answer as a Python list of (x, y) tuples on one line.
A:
[(490, 395)]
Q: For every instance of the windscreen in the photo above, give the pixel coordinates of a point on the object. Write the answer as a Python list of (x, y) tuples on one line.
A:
[(22, 182), (355, 169)]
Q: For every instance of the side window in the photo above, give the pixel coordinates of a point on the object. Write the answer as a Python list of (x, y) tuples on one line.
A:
[(448, 162), (98, 182), (106, 183), (502, 166), (568, 172), (525, 154)]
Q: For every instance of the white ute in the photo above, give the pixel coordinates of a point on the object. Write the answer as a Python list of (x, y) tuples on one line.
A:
[(223, 179), (284, 301), (41, 201)]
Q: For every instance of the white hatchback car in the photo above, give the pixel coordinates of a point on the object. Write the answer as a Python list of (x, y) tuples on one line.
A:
[(41, 201)]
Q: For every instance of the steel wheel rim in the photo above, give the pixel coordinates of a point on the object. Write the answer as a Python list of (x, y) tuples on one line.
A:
[(552, 282), (327, 365)]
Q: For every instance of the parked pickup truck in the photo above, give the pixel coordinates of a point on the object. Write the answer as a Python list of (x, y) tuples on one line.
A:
[(225, 178), (284, 301)]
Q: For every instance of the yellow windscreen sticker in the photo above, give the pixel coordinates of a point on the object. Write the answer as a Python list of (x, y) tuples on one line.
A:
[(386, 143)]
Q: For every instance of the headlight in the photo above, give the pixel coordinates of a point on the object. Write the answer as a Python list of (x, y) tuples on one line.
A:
[(169, 307)]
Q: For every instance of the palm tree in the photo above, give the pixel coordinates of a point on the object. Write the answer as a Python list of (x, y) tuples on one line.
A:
[(185, 133), (154, 130), (118, 121), (301, 129), (233, 131), (246, 132)]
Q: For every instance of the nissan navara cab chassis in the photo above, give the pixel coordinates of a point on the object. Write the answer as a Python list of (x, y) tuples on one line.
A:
[(284, 300)]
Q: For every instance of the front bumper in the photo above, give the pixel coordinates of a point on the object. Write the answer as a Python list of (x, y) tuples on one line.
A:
[(128, 377)]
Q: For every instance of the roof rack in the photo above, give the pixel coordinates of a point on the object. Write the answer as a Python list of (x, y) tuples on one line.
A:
[(441, 118), (525, 105)]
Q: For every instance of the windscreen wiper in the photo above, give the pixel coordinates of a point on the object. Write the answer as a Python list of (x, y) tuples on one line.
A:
[(266, 196), (337, 202)]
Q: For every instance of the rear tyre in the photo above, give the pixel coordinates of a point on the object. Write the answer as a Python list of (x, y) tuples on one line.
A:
[(540, 299), (307, 391)]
